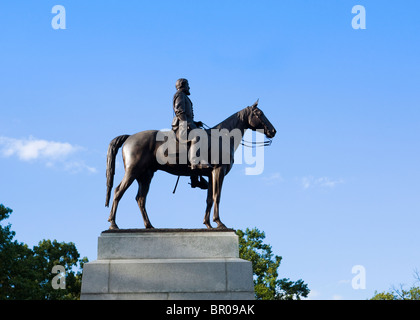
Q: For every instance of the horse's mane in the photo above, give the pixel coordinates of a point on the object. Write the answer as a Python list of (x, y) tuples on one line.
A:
[(227, 123)]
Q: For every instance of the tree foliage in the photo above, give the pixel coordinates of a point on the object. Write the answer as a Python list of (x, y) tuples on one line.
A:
[(26, 273), (413, 293), (267, 284)]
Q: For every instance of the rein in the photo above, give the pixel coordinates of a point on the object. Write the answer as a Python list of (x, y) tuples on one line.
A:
[(256, 144), (250, 144)]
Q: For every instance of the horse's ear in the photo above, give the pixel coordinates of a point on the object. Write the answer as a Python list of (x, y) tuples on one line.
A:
[(256, 103)]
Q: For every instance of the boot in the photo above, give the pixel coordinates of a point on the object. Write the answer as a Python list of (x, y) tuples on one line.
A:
[(202, 184)]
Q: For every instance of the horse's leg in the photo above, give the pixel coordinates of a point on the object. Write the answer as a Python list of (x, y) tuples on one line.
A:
[(209, 202), (144, 184), (118, 193), (218, 176)]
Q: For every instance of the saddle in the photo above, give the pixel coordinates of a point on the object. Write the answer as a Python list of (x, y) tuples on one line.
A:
[(181, 150)]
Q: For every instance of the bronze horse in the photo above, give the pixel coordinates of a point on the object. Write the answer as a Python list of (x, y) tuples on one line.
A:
[(140, 162)]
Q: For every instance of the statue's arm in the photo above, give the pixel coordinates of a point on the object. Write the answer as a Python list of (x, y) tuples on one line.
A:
[(179, 108)]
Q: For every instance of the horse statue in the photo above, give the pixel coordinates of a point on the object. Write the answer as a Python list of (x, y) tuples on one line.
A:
[(141, 160)]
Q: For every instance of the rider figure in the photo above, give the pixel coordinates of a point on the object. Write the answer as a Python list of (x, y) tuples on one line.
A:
[(182, 124)]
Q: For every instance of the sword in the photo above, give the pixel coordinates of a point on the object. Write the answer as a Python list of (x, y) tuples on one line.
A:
[(176, 185)]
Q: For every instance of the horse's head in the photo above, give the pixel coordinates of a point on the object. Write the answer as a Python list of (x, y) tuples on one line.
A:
[(257, 120)]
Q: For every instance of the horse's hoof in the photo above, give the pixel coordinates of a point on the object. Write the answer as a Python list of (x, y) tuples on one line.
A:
[(150, 226), (113, 226), (221, 227), (208, 225)]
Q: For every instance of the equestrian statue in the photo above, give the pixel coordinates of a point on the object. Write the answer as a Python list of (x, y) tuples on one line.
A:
[(186, 150)]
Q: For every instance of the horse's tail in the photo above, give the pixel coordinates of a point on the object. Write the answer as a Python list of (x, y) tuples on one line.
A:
[(110, 163)]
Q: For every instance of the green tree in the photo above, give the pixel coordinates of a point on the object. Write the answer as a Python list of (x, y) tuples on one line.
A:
[(48, 254), (410, 294), (26, 273), (16, 275), (267, 284), (413, 293)]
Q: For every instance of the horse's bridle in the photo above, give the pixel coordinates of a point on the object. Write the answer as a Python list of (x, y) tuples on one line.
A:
[(251, 144), (265, 143)]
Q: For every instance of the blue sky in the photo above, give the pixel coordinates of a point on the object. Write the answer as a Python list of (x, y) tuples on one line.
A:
[(341, 181)]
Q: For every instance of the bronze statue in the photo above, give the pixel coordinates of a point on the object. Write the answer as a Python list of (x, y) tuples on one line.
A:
[(182, 123), (143, 153)]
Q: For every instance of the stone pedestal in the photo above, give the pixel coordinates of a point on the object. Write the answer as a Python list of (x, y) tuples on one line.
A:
[(168, 264)]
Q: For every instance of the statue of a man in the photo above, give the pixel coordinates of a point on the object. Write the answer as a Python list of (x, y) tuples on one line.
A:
[(183, 123)]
